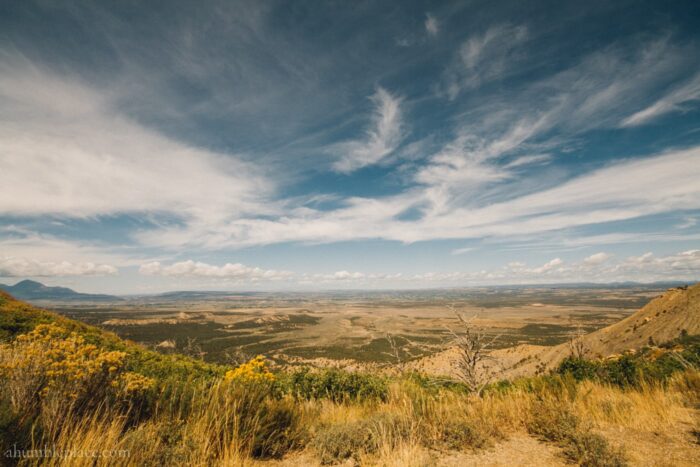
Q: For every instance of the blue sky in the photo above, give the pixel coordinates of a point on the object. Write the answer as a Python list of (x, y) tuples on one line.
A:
[(323, 145)]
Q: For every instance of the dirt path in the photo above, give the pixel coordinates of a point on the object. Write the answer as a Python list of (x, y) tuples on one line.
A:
[(520, 450), (675, 448)]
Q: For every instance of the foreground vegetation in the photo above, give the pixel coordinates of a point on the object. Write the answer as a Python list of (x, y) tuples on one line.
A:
[(78, 389)]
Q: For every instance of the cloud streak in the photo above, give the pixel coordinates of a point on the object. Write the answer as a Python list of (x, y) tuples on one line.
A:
[(613, 193), (486, 57), (381, 139), (672, 102), (432, 25)]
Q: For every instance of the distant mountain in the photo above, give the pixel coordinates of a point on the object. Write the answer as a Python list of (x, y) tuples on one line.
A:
[(32, 290), (201, 295)]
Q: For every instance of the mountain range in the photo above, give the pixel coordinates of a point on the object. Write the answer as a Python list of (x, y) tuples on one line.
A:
[(32, 290)]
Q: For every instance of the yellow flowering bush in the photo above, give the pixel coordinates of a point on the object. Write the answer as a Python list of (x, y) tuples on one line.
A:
[(51, 359), (130, 383), (255, 370)]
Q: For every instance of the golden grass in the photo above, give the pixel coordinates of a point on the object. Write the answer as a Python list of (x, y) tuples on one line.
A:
[(405, 454), (651, 407), (240, 417), (221, 429)]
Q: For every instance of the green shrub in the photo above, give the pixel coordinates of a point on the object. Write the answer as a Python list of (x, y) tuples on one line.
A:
[(349, 440), (592, 450), (551, 421), (579, 368), (434, 385), (338, 442), (632, 370), (333, 384), (460, 434), (562, 386)]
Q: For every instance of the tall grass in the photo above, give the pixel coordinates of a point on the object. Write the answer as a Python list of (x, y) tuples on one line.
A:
[(232, 424), (130, 409)]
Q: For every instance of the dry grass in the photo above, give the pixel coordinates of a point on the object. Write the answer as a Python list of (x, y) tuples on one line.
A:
[(243, 418), (232, 427), (651, 407), (405, 454)]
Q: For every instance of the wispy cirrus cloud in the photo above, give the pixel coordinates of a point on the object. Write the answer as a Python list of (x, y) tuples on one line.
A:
[(486, 57), (222, 202), (671, 102), (380, 140), (432, 25), (612, 193)]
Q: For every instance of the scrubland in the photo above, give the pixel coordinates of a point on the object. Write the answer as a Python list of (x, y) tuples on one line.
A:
[(94, 399)]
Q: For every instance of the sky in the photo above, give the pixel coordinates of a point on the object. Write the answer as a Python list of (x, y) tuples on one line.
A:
[(307, 145)]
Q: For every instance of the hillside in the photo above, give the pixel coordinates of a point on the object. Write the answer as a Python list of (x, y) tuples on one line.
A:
[(665, 318), (32, 290), (77, 388)]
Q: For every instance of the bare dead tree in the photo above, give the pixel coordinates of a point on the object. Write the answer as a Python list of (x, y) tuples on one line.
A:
[(236, 357), (577, 346), (193, 349), (397, 352), (474, 348)]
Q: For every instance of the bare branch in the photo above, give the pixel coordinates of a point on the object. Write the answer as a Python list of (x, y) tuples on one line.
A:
[(474, 350), (577, 346)]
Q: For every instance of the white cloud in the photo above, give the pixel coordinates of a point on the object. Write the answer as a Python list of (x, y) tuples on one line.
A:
[(672, 102), (353, 278), (343, 275), (432, 25), (234, 271), (529, 160), (548, 266), (683, 266), (23, 267), (381, 139), (686, 260), (65, 150), (599, 267), (461, 251), (687, 223), (486, 57), (43, 248), (625, 190), (597, 258)]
